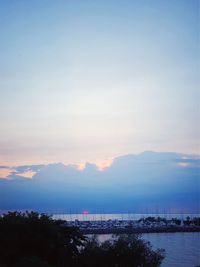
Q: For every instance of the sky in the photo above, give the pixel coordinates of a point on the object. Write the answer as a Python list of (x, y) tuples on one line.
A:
[(92, 80)]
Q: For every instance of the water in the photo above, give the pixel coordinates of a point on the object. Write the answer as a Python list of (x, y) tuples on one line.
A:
[(123, 216), (182, 249)]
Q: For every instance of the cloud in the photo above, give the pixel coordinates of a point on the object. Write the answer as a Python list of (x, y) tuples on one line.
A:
[(103, 165), (130, 182), (4, 167), (26, 171), (29, 168), (27, 174), (5, 172), (183, 164)]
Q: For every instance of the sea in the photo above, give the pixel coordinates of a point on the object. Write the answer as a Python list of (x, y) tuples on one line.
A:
[(182, 249)]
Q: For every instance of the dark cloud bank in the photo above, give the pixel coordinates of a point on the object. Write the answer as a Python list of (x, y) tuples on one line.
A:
[(148, 182)]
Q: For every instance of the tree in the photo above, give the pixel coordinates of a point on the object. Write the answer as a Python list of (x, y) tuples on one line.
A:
[(29, 235), (36, 240), (127, 250)]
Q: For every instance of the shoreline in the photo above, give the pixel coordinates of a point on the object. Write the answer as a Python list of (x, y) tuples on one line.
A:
[(141, 230)]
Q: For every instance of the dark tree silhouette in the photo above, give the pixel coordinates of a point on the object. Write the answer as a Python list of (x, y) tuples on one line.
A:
[(29, 235), (127, 250), (36, 240)]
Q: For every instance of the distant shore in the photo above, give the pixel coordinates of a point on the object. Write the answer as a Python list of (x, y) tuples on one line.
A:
[(143, 225), (141, 230)]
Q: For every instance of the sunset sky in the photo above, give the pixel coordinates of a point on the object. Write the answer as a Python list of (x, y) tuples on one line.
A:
[(91, 80)]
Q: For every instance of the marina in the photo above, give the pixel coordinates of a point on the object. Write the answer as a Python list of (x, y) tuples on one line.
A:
[(149, 224)]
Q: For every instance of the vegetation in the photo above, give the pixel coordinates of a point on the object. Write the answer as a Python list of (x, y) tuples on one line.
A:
[(36, 240), (124, 251)]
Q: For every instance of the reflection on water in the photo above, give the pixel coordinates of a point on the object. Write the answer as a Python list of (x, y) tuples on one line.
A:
[(182, 249)]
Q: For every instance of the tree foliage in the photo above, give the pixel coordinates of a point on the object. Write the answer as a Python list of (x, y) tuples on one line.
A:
[(127, 250), (36, 240)]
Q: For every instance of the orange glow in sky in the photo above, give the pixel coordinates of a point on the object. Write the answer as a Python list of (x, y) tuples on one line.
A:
[(4, 172), (27, 174), (102, 165)]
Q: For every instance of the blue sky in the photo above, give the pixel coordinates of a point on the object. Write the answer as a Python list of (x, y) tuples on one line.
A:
[(91, 80)]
